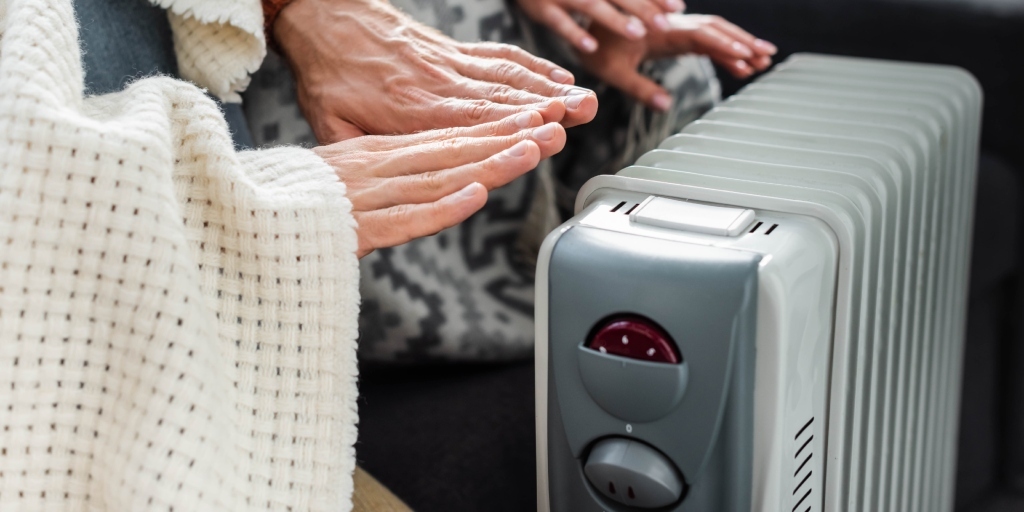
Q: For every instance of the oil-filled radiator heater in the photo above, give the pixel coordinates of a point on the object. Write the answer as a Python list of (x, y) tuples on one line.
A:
[(767, 313)]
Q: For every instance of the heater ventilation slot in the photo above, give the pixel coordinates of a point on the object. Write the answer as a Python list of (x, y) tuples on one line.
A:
[(758, 225), (802, 488), (629, 211), (620, 205)]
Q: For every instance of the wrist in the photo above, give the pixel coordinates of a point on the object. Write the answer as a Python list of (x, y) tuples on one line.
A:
[(298, 19)]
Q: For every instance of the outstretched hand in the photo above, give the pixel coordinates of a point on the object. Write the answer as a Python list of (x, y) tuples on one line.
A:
[(630, 19), (408, 186), (363, 67), (617, 59)]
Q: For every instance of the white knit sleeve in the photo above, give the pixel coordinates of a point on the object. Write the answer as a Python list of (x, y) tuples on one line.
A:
[(219, 43)]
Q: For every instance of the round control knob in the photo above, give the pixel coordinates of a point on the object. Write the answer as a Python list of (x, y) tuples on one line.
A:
[(632, 473), (635, 337)]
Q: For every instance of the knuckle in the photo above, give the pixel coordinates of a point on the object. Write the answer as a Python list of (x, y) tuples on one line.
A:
[(433, 183), (506, 71), (553, 16), (407, 52), (502, 50), (396, 216), (500, 94), (453, 147), (449, 133), (475, 110)]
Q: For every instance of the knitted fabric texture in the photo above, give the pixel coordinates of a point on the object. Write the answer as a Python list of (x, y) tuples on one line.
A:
[(219, 43), (177, 320)]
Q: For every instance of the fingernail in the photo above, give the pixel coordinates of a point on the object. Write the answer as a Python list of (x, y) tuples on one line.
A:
[(635, 28), (578, 91), (661, 22), (524, 120), (743, 67), (573, 102), (674, 5), (588, 44), (468, 191), (662, 102), (560, 76), (742, 49), (518, 150), (545, 133), (766, 46)]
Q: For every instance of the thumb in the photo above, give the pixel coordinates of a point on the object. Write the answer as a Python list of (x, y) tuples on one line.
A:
[(334, 129), (635, 84)]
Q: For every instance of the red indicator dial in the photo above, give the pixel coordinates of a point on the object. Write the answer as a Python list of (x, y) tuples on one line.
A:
[(635, 337)]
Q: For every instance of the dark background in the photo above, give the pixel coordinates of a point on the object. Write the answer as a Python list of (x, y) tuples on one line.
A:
[(454, 438)]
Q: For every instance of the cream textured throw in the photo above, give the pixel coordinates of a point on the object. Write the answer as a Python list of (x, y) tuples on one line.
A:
[(177, 320), (218, 42)]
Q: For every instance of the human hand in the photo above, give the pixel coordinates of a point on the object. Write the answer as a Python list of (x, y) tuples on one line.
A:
[(404, 187), (617, 59), (363, 67), (613, 15)]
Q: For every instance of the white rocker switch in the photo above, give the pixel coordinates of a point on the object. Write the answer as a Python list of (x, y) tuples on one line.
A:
[(698, 218)]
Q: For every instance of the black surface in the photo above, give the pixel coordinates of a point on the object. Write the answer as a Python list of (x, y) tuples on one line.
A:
[(451, 438)]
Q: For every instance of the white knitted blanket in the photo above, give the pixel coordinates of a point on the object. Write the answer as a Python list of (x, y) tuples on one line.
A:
[(177, 320)]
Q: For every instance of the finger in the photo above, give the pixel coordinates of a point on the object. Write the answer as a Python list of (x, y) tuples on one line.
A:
[(453, 111), (512, 74), (496, 171), (761, 63), (522, 57), (580, 107), (709, 40), (765, 47), (578, 110), (735, 67), (650, 11), (640, 87), (605, 14), (559, 21), (497, 93), (756, 45), (446, 154), (507, 126), (674, 5), (400, 224)]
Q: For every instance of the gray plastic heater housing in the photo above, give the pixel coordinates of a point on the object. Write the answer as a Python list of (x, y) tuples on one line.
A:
[(867, 171), (751, 317)]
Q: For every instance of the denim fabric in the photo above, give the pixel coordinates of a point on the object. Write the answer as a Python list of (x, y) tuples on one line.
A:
[(123, 40)]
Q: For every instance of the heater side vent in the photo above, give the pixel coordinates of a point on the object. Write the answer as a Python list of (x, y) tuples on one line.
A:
[(802, 484)]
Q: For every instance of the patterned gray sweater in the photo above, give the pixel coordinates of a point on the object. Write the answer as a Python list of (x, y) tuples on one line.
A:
[(466, 294)]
